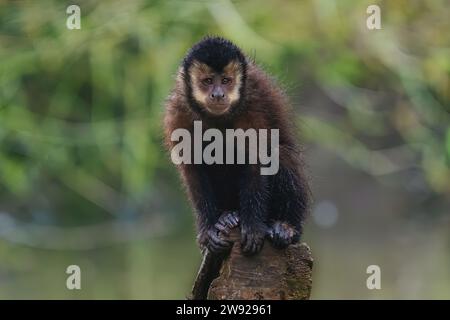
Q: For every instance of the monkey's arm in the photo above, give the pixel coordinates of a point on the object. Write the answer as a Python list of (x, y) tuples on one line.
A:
[(290, 200), (253, 204), (203, 200)]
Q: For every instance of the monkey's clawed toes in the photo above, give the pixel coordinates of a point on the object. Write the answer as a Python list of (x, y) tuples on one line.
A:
[(283, 234), (252, 240), (227, 221), (217, 242)]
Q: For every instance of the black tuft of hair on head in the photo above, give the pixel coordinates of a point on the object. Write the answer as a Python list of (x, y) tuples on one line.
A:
[(216, 52)]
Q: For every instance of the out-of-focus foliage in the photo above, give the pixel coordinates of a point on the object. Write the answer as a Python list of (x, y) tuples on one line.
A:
[(82, 169)]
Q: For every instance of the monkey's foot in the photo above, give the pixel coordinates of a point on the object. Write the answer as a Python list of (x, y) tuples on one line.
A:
[(216, 241), (252, 239), (227, 221), (283, 234)]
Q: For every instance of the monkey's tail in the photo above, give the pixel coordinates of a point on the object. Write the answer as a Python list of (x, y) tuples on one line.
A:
[(209, 270)]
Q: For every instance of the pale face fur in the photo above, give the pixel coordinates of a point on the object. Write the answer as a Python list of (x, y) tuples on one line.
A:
[(215, 91)]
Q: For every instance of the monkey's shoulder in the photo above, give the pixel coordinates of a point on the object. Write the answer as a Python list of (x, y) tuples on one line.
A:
[(264, 95)]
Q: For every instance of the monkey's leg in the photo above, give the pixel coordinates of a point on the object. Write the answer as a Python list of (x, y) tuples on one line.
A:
[(253, 208), (204, 202), (289, 202)]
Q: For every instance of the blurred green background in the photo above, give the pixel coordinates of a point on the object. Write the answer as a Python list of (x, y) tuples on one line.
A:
[(84, 178)]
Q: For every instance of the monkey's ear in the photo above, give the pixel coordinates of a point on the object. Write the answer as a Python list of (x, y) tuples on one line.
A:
[(181, 75)]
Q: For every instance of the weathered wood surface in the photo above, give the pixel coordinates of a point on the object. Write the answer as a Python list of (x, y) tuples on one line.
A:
[(272, 274)]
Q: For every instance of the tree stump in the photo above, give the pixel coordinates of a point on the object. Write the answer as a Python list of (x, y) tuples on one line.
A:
[(272, 274)]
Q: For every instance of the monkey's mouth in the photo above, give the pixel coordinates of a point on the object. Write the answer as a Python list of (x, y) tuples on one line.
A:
[(218, 108)]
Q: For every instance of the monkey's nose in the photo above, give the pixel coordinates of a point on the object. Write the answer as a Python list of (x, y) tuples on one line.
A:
[(217, 96)]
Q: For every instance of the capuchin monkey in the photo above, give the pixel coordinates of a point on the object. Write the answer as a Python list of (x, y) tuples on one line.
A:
[(220, 86)]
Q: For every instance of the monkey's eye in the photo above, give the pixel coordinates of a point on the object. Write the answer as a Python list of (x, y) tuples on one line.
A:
[(226, 80), (207, 81)]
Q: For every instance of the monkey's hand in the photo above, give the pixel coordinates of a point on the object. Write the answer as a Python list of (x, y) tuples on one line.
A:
[(227, 221), (218, 235), (217, 241), (214, 240), (252, 238), (283, 234)]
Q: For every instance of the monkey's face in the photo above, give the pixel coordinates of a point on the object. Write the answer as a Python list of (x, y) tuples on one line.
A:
[(216, 91)]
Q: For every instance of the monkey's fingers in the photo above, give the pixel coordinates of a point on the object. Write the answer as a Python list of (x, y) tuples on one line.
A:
[(222, 228), (216, 243), (229, 219), (252, 246), (252, 241), (215, 248), (282, 234), (232, 219)]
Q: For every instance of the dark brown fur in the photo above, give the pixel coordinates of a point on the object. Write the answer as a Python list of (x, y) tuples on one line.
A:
[(277, 202)]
